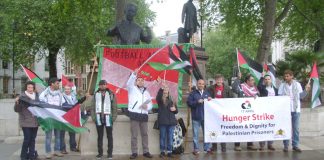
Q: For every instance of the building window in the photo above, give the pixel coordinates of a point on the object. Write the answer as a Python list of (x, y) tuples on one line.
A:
[(46, 64), (5, 85), (68, 67), (23, 82), (84, 84), (5, 65)]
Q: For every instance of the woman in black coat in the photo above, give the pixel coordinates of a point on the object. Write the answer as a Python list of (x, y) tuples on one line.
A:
[(166, 119)]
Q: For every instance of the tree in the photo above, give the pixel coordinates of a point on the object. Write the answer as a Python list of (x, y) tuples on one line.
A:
[(220, 47), (305, 24), (255, 18), (74, 26)]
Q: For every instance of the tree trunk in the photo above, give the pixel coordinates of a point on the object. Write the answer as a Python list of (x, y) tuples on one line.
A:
[(52, 56), (267, 31), (321, 43)]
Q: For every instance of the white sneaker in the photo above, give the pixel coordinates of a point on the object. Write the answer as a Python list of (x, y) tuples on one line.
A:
[(58, 154), (48, 156)]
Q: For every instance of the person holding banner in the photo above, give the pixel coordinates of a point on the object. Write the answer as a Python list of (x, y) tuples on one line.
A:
[(27, 122), (246, 89), (52, 95), (104, 113), (220, 90), (293, 89), (196, 102), (139, 104), (70, 100), (266, 89), (166, 120)]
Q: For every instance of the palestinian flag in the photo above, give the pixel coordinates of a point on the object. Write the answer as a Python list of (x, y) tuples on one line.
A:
[(270, 70), (33, 76), (316, 89), (176, 61), (117, 62), (196, 74), (66, 81), (254, 67), (56, 117)]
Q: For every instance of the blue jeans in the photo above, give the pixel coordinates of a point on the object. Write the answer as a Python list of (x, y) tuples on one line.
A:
[(195, 131), (166, 137), (48, 140), (295, 130), (28, 146), (71, 141)]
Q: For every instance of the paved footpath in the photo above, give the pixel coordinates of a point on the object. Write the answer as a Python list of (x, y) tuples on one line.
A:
[(313, 149)]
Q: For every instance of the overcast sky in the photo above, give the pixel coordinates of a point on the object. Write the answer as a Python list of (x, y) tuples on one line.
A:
[(168, 15)]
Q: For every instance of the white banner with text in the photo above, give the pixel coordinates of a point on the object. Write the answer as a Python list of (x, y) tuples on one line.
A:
[(247, 119)]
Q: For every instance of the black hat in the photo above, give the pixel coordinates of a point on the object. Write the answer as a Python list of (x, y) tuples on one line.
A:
[(102, 82), (53, 80)]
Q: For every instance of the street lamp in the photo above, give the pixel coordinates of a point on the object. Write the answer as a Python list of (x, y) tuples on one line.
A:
[(14, 27)]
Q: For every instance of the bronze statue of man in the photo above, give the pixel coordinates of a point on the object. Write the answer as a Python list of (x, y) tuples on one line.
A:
[(127, 31), (189, 18)]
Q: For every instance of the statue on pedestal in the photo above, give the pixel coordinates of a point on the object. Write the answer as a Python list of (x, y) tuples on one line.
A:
[(127, 31), (189, 18)]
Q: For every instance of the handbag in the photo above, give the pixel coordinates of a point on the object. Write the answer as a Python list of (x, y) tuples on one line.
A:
[(156, 125)]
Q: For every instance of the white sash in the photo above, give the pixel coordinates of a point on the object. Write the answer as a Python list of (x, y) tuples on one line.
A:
[(106, 107)]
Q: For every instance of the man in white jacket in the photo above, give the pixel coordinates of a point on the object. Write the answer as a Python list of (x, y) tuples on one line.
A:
[(139, 103)]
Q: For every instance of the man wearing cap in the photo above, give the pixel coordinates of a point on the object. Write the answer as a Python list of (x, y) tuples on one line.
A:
[(139, 103), (104, 113), (52, 95)]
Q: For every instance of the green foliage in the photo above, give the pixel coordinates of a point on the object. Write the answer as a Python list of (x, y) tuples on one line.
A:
[(73, 25), (221, 49), (303, 25), (300, 62)]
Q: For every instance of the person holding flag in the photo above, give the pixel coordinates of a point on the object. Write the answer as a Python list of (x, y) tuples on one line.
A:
[(27, 122), (70, 100), (266, 88), (53, 96), (293, 89), (139, 104), (246, 89)]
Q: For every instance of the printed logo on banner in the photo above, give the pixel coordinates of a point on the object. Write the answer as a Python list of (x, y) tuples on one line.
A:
[(213, 135), (246, 107), (280, 134)]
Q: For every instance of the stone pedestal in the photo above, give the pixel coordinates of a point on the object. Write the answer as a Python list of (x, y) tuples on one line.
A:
[(121, 136)]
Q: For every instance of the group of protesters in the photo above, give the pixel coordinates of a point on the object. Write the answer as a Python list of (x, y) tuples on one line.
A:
[(248, 88), (103, 110)]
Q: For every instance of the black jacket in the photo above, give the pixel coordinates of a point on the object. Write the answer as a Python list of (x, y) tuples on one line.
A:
[(165, 115), (263, 89)]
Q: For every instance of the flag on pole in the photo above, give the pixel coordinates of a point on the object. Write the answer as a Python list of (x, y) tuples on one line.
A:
[(176, 61), (196, 74), (117, 62), (33, 76), (316, 89), (254, 67)]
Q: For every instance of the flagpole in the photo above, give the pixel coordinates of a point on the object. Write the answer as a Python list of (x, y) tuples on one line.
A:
[(88, 91), (156, 52), (188, 112), (238, 65)]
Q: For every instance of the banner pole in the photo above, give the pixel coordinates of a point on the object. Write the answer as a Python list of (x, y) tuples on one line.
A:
[(188, 112), (238, 65), (95, 63)]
